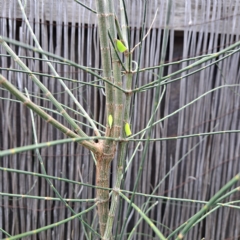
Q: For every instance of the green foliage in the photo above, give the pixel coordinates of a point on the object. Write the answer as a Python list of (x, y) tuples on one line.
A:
[(120, 46), (110, 120), (127, 129)]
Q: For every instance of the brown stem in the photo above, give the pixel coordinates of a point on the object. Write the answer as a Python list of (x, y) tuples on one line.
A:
[(102, 180)]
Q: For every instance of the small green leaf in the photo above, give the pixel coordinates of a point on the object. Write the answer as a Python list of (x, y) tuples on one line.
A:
[(127, 129), (110, 120), (120, 46)]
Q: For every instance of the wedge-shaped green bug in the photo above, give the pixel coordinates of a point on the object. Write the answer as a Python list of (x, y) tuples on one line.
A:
[(127, 129), (110, 120), (120, 46)]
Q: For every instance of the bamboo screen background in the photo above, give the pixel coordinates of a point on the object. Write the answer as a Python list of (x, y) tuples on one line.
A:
[(207, 163)]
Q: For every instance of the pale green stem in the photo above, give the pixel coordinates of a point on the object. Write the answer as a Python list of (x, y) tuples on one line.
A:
[(47, 198), (51, 177), (26, 234), (209, 212), (44, 89), (108, 146), (207, 207), (6, 233), (90, 9), (126, 113), (80, 139), (56, 74), (143, 215), (70, 63), (44, 170), (26, 102), (199, 62), (118, 114), (235, 190), (139, 221), (185, 106), (165, 81), (143, 134), (92, 83)]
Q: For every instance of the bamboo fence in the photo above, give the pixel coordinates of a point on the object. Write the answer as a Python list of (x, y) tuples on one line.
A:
[(205, 163)]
